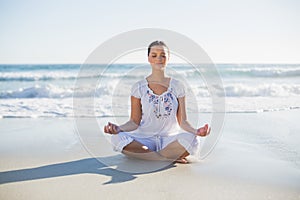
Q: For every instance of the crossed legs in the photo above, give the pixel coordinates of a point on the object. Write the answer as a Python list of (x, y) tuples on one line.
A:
[(172, 152)]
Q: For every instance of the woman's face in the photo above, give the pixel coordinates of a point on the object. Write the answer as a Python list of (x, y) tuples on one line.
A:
[(158, 57)]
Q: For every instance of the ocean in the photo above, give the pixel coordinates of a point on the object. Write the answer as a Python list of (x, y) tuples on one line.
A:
[(46, 90)]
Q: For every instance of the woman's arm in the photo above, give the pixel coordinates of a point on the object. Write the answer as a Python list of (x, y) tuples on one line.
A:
[(132, 124), (183, 122), (135, 115)]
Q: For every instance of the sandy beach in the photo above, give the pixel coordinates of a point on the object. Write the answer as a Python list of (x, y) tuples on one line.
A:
[(67, 68), (257, 157)]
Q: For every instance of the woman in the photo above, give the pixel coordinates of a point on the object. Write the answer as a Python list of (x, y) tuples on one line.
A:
[(158, 116)]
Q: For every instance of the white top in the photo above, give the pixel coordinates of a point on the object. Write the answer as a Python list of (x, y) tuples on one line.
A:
[(158, 111)]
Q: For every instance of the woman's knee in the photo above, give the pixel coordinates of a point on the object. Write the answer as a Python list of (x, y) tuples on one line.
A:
[(173, 150), (189, 142)]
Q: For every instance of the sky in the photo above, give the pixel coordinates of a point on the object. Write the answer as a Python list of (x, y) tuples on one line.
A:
[(230, 31)]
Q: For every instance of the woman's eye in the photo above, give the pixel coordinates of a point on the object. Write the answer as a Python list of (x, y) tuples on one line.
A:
[(153, 56)]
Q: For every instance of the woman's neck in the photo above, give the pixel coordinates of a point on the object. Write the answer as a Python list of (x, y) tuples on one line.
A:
[(157, 76)]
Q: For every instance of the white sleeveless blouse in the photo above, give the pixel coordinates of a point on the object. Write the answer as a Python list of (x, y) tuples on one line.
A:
[(158, 111)]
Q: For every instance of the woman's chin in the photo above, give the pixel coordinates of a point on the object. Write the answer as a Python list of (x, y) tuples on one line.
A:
[(159, 66)]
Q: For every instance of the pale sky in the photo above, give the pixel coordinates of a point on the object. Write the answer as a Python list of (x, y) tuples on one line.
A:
[(230, 31)]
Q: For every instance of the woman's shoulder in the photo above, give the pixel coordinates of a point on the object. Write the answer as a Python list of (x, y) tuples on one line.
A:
[(176, 82), (178, 87), (140, 82)]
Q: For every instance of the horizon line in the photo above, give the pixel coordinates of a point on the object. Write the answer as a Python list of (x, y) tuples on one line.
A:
[(70, 63)]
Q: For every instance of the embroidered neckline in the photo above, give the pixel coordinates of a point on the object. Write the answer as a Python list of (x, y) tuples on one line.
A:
[(162, 104), (159, 95)]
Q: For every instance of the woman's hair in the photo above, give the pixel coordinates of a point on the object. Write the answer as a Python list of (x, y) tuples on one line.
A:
[(157, 43)]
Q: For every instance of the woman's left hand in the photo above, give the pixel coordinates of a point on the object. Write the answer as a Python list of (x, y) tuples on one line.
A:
[(111, 128), (203, 131)]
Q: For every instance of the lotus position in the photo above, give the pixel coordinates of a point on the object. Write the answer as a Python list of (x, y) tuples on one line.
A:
[(158, 128)]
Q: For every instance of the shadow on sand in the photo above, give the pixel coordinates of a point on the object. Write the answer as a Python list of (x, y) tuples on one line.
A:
[(84, 166)]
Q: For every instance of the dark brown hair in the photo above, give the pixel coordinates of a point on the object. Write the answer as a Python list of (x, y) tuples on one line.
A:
[(158, 43)]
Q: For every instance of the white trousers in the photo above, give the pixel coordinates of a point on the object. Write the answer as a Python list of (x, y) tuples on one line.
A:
[(156, 143)]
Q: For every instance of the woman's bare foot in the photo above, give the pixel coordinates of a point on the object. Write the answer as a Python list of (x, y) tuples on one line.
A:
[(182, 161)]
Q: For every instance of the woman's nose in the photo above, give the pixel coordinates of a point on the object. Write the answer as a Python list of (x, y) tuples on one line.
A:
[(159, 57)]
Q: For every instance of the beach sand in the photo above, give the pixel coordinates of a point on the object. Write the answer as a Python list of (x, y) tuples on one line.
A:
[(257, 157)]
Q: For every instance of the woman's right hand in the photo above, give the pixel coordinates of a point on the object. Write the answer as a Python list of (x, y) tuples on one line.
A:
[(203, 131), (111, 128)]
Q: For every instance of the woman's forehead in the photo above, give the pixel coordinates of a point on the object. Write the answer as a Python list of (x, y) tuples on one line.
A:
[(158, 49)]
